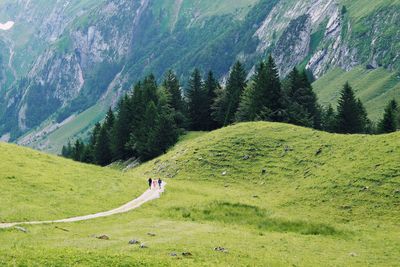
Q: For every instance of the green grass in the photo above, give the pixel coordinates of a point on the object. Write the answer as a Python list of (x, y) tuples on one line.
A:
[(360, 8), (37, 186), (374, 87), (322, 200)]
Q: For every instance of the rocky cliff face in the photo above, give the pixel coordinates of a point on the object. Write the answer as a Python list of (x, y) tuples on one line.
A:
[(84, 53)]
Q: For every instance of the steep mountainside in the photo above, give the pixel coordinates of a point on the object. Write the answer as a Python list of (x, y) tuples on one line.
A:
[(88, 53)]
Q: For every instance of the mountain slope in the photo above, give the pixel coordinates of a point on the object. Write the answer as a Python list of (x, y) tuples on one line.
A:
[(323, 199), (99, 51), (373, 86)]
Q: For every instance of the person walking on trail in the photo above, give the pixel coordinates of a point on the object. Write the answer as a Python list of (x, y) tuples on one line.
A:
[(150, 182), (159, 182), (154, 184)]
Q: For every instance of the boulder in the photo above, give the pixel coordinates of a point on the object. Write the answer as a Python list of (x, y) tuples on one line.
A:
[(143, 245), (103, 237), (187, 254), (133, 242)]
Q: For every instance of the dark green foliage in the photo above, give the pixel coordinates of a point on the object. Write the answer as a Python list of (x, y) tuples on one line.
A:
[(102, 149), (121, 131), (389, 122), (302, 103), (329, 119), (66, 151), (172, 85), (268, 92), (77, 150), (211, 87), (351, 116), (227, 101), (197, 102)]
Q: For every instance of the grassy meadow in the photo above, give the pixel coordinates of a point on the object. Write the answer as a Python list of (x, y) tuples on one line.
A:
[(270, 194)]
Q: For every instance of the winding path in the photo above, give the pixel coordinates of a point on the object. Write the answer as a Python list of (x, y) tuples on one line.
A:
[(147, 196)]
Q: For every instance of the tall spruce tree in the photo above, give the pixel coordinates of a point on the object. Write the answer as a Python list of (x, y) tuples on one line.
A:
[(173, 87), (246, 111), (350, 116), (197, 102), (389, 123), (211, 87), (268, 95), (227, 101), (303, 108), (102, 150), (121, 132), (329, 119)]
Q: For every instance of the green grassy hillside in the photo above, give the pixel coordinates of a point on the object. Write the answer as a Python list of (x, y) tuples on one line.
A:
[(37, 186), (374, 87), (271, 194)]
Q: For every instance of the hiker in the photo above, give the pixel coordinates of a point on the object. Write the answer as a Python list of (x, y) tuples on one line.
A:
[(150, 182), (159, 182), (154, 184)]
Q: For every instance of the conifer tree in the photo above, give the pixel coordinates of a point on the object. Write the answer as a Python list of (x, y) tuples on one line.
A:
[(329, 119), (167, 130), (197, 102), (351, 116), (268, 94), (121, 132), (211, 87), (246, 111), (227, 101), (77, 150), (145, 138), (102, 150), (388, 124), (303, 108), (173, 87), (110, 119)]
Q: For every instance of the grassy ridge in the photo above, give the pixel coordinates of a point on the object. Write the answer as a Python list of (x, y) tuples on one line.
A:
[(374, 87), (272, 194)]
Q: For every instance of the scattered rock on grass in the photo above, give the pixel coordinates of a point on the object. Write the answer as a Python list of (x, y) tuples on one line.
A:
[(173, 254), (151, 234), (187, 254), (221, 249), (246, 157), (224, 173), (22, 229), (103, 237), (318, 152), (133, 242), (353, 254), (143, 245)]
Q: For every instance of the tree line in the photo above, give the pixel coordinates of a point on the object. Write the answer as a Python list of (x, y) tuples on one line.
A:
[(150, 119)]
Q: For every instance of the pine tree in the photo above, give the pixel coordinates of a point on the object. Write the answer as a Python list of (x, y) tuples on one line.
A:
[(197, 102), (109, 120), (145, 138), (268, 94), (227, 102), (246, 111), (329, 119), (167, 130), (303, 108), (211, 87), (350, 116), (66, 151), (172, 85), (122, 130), (77, 150), (389, 123), (102, 150)]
